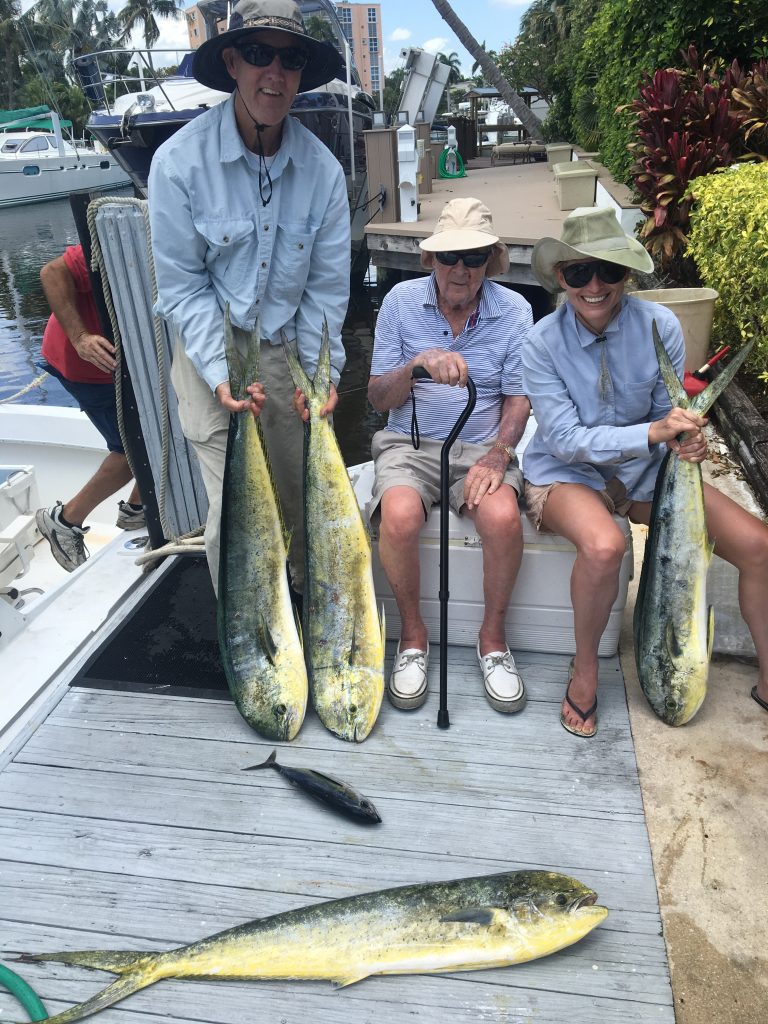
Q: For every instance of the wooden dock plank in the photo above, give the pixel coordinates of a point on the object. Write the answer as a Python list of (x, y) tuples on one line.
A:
[(127, 822)]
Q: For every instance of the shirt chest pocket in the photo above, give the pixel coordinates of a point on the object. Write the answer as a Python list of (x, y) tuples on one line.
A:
[(230, 248), (635, 399), (292, 259)]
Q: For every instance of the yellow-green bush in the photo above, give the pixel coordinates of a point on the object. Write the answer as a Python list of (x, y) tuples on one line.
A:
[(729, 242)]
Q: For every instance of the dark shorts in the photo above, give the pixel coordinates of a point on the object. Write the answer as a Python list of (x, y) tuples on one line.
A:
[(99, 404)]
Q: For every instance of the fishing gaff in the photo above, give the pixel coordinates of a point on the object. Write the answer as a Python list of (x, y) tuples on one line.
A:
[(420, 372)]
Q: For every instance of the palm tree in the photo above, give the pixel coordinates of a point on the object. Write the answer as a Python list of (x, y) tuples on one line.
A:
[(144, 14), (453, 61), (530, 122), (11, 48)]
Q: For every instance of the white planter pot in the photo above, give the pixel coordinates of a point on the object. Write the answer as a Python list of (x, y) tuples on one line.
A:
[(694, 308)]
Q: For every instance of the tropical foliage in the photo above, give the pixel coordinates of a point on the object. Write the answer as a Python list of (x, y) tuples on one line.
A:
[(729, 242), (587, 57), (36, 48)]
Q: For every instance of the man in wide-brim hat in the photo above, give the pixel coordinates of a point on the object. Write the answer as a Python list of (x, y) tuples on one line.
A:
[(604, 423), (250, 209), (453, 323)]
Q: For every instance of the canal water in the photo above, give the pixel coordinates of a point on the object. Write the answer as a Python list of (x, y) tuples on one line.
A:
[(32, 235)]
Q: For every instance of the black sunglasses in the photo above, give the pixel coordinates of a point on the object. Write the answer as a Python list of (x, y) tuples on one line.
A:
[(579, 274), (261, 55), (471, 259)]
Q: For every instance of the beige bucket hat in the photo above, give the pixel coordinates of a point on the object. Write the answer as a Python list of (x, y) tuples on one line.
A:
[(248, 16), (592, 231), (465, 224)]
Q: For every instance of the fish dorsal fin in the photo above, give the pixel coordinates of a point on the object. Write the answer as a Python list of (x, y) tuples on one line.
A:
[(707, 398), (672, 382)]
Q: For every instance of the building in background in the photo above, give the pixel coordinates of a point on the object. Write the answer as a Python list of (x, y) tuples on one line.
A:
[(362, 27)]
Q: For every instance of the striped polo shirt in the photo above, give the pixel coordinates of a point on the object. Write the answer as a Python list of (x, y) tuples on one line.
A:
[(410, 322)]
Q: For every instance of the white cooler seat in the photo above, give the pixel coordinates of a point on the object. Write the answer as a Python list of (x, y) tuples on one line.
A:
[(539, 618)]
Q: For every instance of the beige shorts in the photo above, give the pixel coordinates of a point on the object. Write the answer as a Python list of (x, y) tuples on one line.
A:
[(398, 463), (614, 498)]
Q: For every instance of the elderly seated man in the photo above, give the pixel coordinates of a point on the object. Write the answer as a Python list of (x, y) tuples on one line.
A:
[(454, 323)]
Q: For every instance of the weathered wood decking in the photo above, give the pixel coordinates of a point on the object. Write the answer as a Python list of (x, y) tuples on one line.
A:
[(125, 822)]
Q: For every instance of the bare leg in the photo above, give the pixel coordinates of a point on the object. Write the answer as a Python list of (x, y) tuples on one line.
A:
[(402, 518), (742, 539), (497, 520), (578, 513), (112, 474)]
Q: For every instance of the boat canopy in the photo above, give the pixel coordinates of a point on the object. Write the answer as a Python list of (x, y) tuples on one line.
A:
[(29, 117)]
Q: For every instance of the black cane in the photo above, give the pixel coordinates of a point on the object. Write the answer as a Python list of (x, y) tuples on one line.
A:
[(419, 372)]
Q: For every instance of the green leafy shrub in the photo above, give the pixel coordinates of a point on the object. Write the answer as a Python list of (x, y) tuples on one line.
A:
[(729, 242)]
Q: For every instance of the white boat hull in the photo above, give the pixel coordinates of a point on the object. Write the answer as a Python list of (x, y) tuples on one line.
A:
[(29, 180)]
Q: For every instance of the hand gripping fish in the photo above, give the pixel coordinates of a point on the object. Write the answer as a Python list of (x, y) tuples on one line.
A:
[(258, 634), (465, 925), (673, 627), (343, 634)]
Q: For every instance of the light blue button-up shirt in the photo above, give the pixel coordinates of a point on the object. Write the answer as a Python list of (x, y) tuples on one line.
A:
[(594, 400), (410, 322), (214, 242)]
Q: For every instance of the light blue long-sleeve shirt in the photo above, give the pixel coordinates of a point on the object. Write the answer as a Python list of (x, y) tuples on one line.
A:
[(594, 400), (214, 242)]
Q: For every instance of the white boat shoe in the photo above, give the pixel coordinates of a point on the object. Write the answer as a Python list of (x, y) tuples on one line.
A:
[(407, 687), (503, 683)]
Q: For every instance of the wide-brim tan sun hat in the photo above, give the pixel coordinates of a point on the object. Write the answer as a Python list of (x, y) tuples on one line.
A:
[(325, 62), (465, 224), (592, 231)]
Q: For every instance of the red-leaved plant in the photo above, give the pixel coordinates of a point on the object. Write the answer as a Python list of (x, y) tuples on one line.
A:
[(691, 121)]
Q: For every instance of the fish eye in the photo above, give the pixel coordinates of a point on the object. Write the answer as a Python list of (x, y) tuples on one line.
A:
[(561, 899), (353, 709), (280, 710), (365, 805), (670, 704)]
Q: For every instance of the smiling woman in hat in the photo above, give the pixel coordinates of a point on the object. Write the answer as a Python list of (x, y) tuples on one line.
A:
[(454, 322), (603, 422), (248, 208)]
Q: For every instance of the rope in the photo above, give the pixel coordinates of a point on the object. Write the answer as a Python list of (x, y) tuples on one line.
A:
[(97, 261), (28, 387)]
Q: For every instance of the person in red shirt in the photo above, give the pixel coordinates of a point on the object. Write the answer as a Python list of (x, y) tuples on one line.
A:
[(76, 353)]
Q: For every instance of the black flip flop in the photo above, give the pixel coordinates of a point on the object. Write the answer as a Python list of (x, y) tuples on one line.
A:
[(583, 715), (760, 701)]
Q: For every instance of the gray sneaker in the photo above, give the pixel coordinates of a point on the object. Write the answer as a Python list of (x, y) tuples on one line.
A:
[(67, 544), (129, 518)]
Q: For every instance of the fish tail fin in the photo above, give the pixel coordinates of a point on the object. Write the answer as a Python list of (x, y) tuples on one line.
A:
[(114, 961), (300, 379), (242, 370), (673, 384), (707, 398), (322, 381), (264, 764), (135, 975)]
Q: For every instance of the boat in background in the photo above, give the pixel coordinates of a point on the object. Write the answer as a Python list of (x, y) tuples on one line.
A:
[(38, 164)]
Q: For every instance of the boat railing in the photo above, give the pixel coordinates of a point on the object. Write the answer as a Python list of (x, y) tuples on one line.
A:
[(107, 75)]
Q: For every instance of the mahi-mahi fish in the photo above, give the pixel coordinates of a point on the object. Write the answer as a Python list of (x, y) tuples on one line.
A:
[(673, 627), (464, 925), (258, 633), (343, 632)]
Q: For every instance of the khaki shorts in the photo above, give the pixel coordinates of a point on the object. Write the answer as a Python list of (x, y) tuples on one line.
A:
[(614, 498), (398, 463)]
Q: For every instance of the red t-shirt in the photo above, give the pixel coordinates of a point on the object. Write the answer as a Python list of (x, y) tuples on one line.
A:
[(57, 349)]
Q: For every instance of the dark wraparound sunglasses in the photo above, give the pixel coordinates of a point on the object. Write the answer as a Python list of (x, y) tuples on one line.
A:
[(577, 275), (261, 55), (471, 259)]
